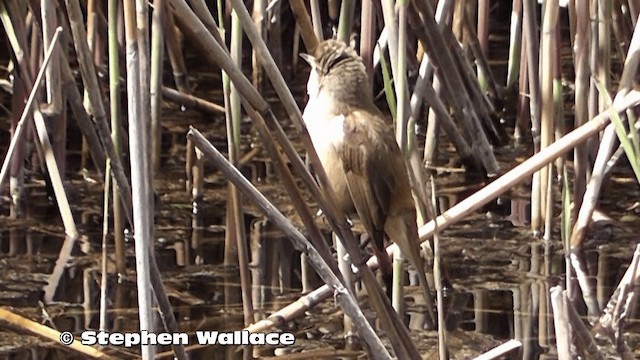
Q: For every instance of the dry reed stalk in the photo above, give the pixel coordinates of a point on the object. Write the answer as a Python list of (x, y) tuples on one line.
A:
[(49, 25), (593, 105), (515, 43), (234, 201), (561, 323), (104, 272), (367, 36), (191, 101), (525, 169), (316, 18), (603, 69), (14, 320), (621, 32), (592, 191), (457, 96), (176, 59), (482, 39), (155, 83), (426, 91), (114, 101), (54, 174), (258, 14), (54, 112), (548, 114), (486, 81), (581, 109), (531, 39), (523, 116), (139, 156), (90, 80), (612, 320), (29, 106), (500, 350), (443, 344), (304, 24)]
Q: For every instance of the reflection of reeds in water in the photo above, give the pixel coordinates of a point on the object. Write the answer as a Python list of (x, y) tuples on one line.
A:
[(449, 48)]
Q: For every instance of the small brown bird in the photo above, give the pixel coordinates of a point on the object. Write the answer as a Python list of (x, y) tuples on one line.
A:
[(359, 152)]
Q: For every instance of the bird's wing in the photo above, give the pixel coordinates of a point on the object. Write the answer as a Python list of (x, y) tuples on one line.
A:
[(363, 152)]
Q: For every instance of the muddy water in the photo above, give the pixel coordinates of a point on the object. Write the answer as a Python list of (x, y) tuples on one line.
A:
[(501, 275)]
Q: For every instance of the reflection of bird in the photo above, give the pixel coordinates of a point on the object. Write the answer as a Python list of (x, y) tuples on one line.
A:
[(359, 153)]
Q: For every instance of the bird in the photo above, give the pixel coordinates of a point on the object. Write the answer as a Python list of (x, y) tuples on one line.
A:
[(357, 148)]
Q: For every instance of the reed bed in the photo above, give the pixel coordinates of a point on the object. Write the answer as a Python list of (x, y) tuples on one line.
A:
[(434, 62)]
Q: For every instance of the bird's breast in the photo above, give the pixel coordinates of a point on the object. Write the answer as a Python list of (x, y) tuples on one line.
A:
[(326, 130)]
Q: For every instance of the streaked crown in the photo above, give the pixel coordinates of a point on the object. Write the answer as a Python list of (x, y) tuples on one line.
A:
[(338, 72)]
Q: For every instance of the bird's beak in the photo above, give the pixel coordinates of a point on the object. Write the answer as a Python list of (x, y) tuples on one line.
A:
[(308, 58)]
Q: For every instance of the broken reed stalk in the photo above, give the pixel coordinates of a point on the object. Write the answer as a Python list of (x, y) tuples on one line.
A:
[(500, 350), (324, 269), (18, 132), (622, 300), (580, 332), (561, 323), (54, 174)]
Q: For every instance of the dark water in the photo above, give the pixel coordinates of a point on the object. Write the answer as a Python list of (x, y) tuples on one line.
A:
[(501, 275)]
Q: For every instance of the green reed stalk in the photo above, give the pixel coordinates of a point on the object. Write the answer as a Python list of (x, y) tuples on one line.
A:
[(236, 220)]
